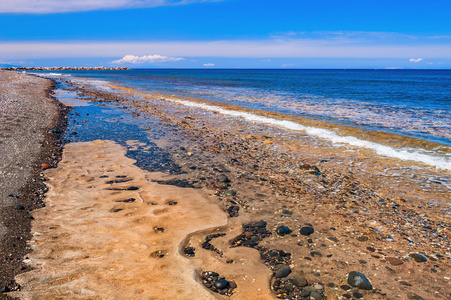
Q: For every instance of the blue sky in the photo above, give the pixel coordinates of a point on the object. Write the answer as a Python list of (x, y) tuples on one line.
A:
[(226, 33)]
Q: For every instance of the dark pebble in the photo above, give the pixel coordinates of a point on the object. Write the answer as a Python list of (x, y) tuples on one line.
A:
[(316, 295), (230, 193), (345, 287), (359, 280), (306, 231), (223, 178), (357, 295), (221, 284), (19, 207), (298, 280), (418, 257), (282, 230), (126, 200), (362, 238), (316, 253), (283, 272)]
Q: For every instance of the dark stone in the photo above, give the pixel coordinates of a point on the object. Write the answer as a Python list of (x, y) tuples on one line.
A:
[(316, 295), (282, 230), (331, 284), (306, 231), (232, 285), (362, 238), (298, 280), (418, 257), (5, 289), (19, 207), (253, 241), (316, 253), (359, 280), (223, 178), (287, 213), (260, 224), (126, 200), (230, 193), (345, 287), (221, 284), (283, 272), (405, 283), (347, 296), (357, 295)]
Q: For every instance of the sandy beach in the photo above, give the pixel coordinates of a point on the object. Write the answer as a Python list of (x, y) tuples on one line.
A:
[(243, 212)]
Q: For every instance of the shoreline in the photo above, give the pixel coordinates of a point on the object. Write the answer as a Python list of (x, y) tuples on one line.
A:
[(274, 178), (27, 192)]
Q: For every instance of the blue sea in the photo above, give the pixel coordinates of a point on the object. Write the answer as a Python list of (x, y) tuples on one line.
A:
[(406, 103)]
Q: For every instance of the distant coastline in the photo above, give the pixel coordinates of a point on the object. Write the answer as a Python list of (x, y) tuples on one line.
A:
[(61, 68)]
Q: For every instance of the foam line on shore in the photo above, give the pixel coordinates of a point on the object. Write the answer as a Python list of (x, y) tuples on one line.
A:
[(403, 154)]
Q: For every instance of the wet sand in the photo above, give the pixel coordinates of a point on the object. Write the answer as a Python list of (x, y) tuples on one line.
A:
[(327, 211)]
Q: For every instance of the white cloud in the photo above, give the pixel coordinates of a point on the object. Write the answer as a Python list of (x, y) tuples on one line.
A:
[(209, 65), (230, 48), (61, 6), (415, 60), (287, 65), (132, 59)]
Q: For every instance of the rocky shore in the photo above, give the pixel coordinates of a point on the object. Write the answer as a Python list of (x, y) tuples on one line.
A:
[(29, 143), (286, 216)]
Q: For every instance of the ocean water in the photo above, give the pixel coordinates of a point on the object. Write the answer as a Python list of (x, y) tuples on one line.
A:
[(406, 103)]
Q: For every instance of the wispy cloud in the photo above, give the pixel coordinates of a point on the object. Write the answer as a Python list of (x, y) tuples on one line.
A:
[(415, 60), (132, 59), (209, 65), (231, 48), (63, 6), (346, 36), (286, 65)]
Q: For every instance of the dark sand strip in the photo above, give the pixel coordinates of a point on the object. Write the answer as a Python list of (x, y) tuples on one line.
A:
[(29, 117)]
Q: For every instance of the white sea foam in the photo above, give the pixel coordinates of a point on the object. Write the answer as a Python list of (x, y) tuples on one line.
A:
[(403, 154)]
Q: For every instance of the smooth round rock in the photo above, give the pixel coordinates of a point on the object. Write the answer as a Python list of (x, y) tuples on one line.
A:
[(394, 261), (306, 231), (282, 230), (223, 178), (359, 280), (221, 284), (418, 257), (230, 193), (45, 166), (298, 280), (283, 272), (19, 207), (316, 295)]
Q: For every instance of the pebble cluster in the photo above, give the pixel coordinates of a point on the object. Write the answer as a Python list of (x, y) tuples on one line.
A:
[(218, 284)]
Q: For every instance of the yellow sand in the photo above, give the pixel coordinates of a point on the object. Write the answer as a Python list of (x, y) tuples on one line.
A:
[(88, 246)]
